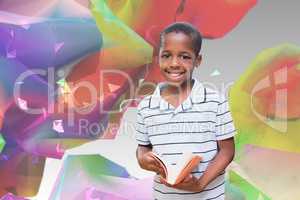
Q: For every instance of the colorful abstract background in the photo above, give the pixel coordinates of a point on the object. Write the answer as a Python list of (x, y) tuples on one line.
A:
[(73, 71)]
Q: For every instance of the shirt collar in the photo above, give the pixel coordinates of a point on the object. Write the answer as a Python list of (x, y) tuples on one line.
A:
[(197, 95)]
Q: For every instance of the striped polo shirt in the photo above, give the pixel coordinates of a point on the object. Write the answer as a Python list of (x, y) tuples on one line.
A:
[(194, 126)]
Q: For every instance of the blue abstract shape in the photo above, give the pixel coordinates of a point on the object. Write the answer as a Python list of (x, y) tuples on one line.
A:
[(11, 75), (51, 43)]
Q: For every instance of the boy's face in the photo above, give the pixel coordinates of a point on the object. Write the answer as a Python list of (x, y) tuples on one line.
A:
[(177, 58)]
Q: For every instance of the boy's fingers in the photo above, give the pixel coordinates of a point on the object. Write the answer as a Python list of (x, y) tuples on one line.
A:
[(158, 169), (161, 172), (156, 163), (154, 168), (164, 181)]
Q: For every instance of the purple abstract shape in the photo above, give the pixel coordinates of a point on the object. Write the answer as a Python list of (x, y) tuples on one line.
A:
[(43, 133), (29, 130), (16, 121), (31, 92), (51, 43), (17, 110)]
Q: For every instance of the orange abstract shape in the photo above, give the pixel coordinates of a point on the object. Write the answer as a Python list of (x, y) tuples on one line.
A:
[(153, 72), (21, 173)]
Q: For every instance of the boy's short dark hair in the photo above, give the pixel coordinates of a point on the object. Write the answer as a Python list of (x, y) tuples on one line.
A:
[(187, 29)]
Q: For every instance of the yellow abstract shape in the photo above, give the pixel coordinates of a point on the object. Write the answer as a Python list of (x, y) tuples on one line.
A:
[(258, 128), (126, 10), (65, 88), (122, 47)]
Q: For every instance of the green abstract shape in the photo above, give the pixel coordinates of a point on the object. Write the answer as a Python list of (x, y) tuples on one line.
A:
[(250, 191), (61, 82), (2, 143), (233, 192), (95, 166)]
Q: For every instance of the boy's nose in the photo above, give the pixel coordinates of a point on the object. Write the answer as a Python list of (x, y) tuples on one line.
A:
[(175, 62)]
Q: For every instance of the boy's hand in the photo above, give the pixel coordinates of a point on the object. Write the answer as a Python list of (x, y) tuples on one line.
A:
[(190, 183), (147, 162)]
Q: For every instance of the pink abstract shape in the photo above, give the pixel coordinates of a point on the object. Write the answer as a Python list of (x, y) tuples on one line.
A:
[(10, 196), (30, 8)]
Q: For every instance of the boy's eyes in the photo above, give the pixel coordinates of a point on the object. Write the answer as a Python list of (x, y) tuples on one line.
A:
[(165, 56), (185, 57)]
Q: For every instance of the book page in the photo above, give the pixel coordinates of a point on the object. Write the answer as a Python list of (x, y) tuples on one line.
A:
[(175, 170), (175, 173)]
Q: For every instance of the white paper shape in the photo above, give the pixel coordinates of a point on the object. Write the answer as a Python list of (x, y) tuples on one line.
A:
[(11, 54), (215, 73), (113, 87), (12, 33), (22, 104), (58, 126), (25, 26)]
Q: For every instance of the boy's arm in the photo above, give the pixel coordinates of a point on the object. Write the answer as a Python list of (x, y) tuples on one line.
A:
[(140, 152), (219, 164), (145, 160)]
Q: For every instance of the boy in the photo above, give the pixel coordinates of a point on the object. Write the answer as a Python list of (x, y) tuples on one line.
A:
[(182, 115)]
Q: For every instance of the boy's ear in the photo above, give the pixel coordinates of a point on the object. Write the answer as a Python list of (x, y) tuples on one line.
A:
[(198, 60)]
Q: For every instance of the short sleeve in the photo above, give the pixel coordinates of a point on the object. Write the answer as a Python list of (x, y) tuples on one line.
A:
[(141, 130), (224, 126)]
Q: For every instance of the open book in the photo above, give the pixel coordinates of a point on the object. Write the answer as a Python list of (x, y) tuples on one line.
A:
[(177, 173)]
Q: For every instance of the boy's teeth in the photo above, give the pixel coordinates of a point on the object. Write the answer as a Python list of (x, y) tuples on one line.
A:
[(175, 74)]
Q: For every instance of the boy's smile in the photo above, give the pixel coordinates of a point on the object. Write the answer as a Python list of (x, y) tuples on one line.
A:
[(177, 58)]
